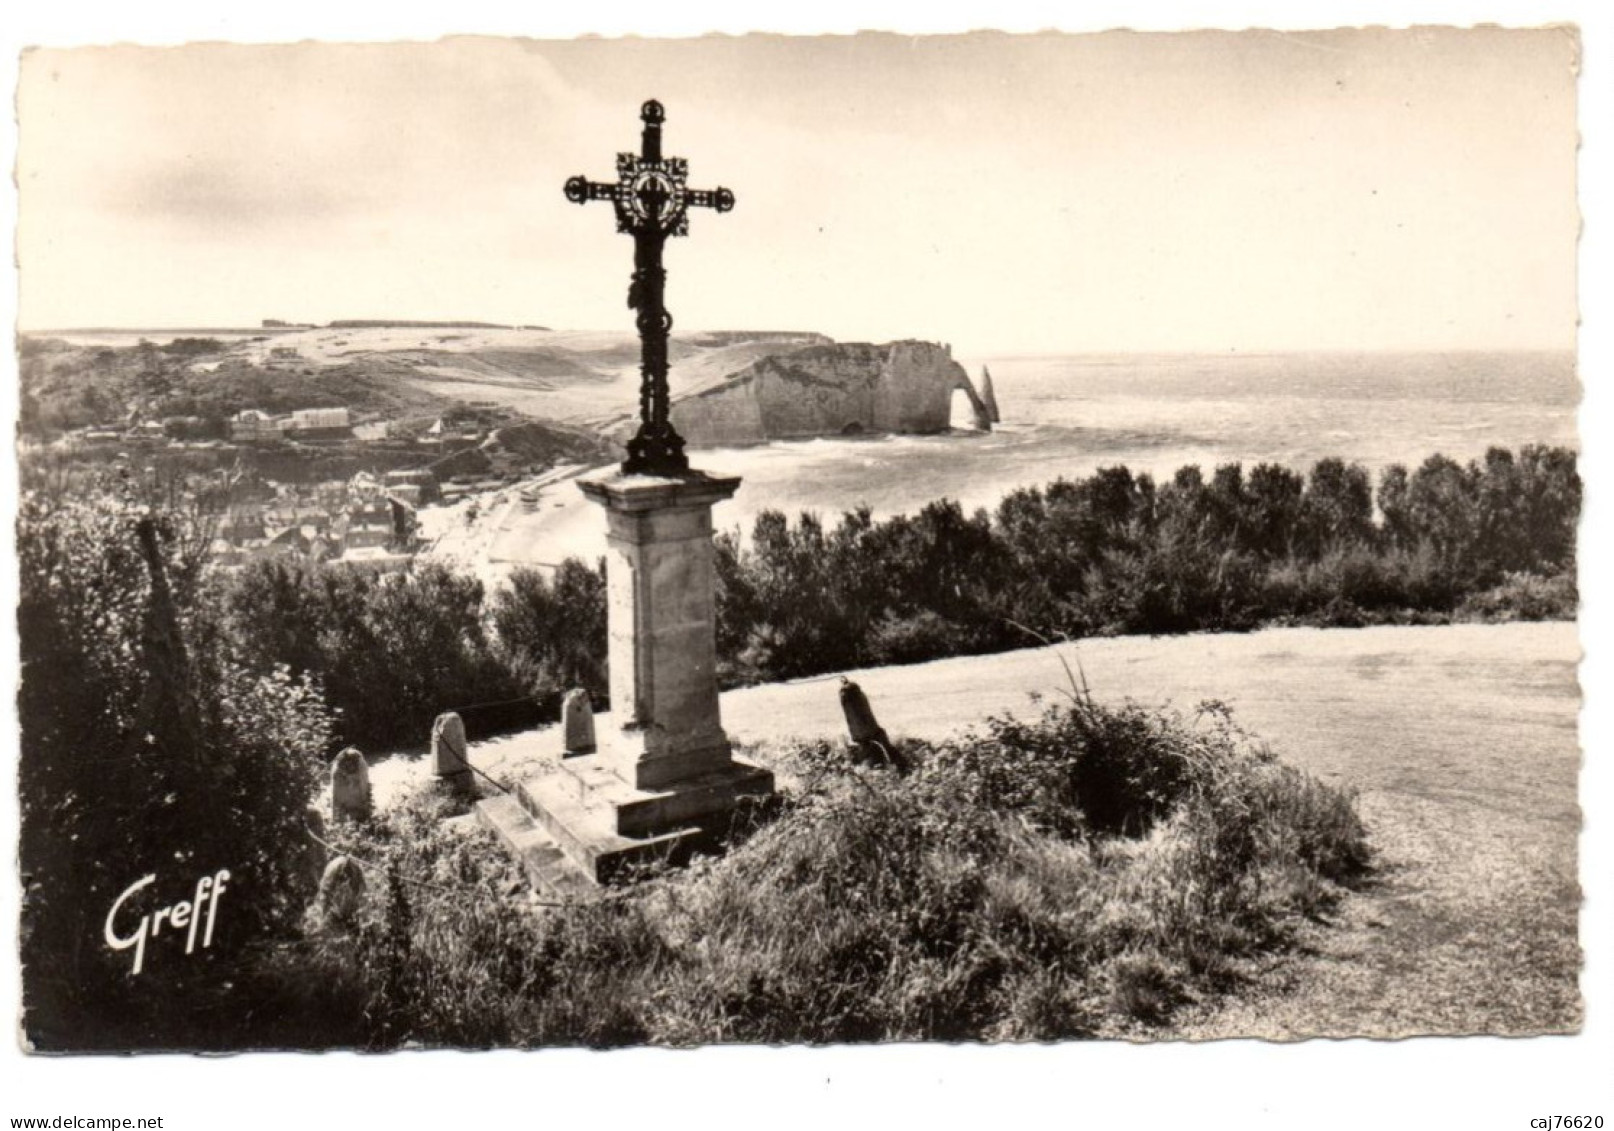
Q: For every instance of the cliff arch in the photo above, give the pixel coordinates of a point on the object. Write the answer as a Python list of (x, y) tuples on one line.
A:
[(830, 389), (979, 408)]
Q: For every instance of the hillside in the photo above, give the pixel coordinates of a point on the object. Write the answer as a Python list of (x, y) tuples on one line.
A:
[(729, 387), (378, 371)]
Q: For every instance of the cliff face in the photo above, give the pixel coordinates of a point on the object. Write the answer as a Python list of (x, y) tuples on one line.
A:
[(827, 390)]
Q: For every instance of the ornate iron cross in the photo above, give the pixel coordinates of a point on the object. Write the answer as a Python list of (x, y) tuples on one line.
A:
[(652, 203)]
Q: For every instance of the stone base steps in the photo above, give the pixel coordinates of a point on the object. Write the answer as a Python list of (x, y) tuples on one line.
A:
[(585, 829), (545, 865), (580, 826)]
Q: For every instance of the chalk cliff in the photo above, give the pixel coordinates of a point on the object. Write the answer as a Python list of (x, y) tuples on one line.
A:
[(827, 390)]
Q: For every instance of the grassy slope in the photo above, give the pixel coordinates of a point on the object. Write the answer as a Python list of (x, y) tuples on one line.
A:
[(1461, 739), (392, 371)]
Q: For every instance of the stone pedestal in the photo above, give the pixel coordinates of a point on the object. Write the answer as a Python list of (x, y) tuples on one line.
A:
[(660, 583), (663, 779)]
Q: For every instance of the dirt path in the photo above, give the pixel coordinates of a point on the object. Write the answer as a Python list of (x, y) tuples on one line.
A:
[(1461, 740)]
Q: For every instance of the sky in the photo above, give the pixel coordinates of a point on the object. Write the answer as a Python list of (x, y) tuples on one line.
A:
[(1204, 191)]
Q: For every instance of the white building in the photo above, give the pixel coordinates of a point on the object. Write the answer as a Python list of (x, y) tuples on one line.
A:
[(252, 424), (312, 419)]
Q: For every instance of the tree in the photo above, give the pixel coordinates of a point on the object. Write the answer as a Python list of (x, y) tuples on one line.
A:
[(391, 651), (552, 632), (1336, 511), (1441, 511), (145, 751)]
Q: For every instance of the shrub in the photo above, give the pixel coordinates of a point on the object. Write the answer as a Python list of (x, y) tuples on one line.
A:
[(145, 751), (1113, 553), (924, 636), (1337, 507), (1524, 596), (550, 633), (391, 651)]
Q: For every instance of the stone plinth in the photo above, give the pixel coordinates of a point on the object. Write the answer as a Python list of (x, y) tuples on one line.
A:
[(662, 619), (663, 779)]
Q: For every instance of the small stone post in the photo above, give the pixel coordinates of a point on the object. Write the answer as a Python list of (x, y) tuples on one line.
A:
[(450, 759), (341, 893), (869, 739), (350, 787), (577, 723)]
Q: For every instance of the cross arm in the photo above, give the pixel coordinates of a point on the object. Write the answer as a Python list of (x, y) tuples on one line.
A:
[(580, 190), (720, 199)]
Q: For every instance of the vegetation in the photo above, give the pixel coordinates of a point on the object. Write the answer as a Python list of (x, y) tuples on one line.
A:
[(66, 386), (1109, 554), (1087, 873), (1116, 554), (390, 651), (550, 631), (140, 733), (1083, 874)]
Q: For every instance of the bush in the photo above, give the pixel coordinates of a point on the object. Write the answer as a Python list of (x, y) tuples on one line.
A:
[(550, 634), (1524, 596), (904, 640), (1114, 553), (448, 953), (145, 751), (391, 651)]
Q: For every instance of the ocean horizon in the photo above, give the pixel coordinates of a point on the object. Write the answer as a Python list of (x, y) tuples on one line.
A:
[(1067, 415)]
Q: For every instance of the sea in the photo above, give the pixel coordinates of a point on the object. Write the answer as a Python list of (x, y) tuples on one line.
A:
[(1068, 415)]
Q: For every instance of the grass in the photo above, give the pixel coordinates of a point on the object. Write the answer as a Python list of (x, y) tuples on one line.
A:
[(1468, 928), (1095, 872)]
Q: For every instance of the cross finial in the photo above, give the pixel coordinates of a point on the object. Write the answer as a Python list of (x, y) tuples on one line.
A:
[(652, 203)]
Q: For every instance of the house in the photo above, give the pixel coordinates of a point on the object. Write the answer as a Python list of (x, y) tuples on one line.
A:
[(252, 424), (369, 525), (416, 485), (375, 558), (242, 528), (320, 419), (288, 543), (330, 495)]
